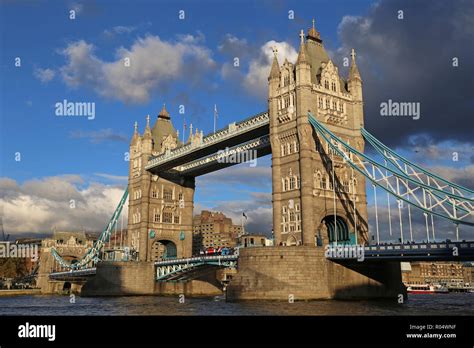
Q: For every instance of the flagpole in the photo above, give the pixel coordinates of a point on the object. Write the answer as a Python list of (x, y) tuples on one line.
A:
[(215, 117), (184, 129)]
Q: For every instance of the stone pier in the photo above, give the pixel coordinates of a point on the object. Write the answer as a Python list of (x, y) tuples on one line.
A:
[(138, 278), (303, 273)]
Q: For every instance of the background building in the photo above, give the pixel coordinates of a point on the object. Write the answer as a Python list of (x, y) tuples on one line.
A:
[(254, 240), (437, 273), (214, 229)]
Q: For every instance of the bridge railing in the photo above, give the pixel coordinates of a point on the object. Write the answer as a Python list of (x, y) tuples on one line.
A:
[(232, 130), (418, 246), (250, 145), (73, 273), (196, 259)]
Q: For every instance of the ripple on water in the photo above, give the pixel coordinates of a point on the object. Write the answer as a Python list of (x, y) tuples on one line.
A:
[(420, 304)]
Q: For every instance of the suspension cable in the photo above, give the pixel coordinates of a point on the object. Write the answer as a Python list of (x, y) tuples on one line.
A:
[(376, 210), (355, 198), (400, 204), (388, 205), (365, 160)]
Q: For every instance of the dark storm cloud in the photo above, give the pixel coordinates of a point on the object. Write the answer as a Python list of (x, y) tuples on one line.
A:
[(411, 60)]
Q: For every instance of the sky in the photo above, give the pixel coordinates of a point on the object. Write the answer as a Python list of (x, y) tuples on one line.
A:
[(187, 58)]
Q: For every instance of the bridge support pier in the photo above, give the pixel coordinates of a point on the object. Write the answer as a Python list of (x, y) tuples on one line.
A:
[(303, 273), (52, 287), (138, 278)]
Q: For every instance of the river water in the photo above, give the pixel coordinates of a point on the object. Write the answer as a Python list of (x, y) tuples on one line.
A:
[(419, 304)]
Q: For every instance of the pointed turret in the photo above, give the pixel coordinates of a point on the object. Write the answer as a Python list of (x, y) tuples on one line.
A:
[(275, 71), (190, 138), (303, 66), (354, 70), (302, 55), (354, 84), (147, 139), (135, 133), (147, 133)]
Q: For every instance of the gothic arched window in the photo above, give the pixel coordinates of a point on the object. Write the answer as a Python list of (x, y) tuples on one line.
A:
[(292, 216), (323, 182), (292, 183)]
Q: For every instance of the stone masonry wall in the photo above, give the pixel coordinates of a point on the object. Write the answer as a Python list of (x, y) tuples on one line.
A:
[(305, 273)]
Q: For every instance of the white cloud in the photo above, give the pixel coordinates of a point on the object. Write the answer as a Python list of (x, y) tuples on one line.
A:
[(117, 178), (96, 137), (256, 80), (118, 30), (463, 176), (154, 63), (233, 46), (39, 205), (44, 75)]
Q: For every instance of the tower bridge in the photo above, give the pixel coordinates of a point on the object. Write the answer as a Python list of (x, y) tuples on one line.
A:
[(314, 130)]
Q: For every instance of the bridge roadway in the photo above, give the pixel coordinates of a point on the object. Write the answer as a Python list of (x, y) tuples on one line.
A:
[(176, 269), (435, 251)]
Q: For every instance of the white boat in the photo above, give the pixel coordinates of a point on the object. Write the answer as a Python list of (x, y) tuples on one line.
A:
[(426, 289)]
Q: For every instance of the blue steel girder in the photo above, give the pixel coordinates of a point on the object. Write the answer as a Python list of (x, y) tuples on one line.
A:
[(427, 197), (261, 146), (434, 251), (232, 135), (92, 255), (172, 269), (78, 274)]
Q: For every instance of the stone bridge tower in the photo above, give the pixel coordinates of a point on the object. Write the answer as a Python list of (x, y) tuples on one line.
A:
[(71, 246), (309, 206), (160, 210)]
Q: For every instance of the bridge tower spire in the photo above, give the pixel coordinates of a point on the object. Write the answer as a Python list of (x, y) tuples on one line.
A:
[(354, 84), (160, 206), (312, 204)]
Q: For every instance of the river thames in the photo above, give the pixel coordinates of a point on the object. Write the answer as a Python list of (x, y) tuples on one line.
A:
[(419, 304)]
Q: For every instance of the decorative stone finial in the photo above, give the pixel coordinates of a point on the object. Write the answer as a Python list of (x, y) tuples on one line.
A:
[(302, 36)]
